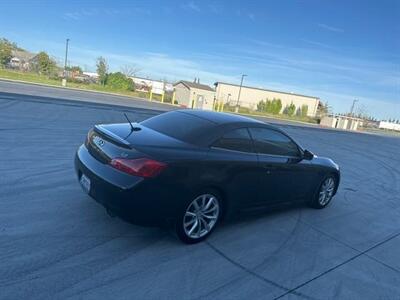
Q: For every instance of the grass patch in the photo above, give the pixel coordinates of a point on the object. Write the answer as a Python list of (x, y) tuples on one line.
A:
[(42, 79), (30, 77)]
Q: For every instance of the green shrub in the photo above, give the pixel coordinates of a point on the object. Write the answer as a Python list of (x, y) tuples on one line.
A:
[(270, 107), (276, 106), (290, 109), (261, 105), (44, 65), (304, 110), (119, 81)]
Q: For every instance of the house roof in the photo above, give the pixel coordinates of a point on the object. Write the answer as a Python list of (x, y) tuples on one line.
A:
[(194, 85), (261, 89), (23, 55)]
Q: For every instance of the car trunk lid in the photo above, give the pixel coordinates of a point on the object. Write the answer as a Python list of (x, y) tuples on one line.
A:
[(106, 142)]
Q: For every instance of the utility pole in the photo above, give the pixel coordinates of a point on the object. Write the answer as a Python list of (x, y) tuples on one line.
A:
[(352, 107), (64, 81), (240, 90)]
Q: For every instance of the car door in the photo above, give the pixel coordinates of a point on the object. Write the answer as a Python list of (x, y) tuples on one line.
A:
[(234, 164), (284, 175)]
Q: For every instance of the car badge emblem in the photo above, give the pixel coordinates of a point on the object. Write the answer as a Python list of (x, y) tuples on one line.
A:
[(99, 142)]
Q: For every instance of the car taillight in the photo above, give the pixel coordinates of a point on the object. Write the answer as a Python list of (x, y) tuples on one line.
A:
[(142, 167)]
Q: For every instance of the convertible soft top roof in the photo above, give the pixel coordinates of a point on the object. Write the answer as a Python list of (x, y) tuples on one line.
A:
[(223, 122), (218, 117)]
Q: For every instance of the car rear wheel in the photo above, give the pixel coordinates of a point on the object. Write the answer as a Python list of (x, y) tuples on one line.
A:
[(325, 192), (199, 218)]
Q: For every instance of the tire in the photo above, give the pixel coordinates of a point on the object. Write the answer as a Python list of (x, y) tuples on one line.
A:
[(325, 192), (199, 217)]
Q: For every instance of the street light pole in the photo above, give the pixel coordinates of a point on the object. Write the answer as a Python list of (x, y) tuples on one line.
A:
[(64, 80), (240, 90), (221, 108), (66, 58)]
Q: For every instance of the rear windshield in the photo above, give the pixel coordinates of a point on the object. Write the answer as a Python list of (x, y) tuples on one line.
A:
[(179, 125)]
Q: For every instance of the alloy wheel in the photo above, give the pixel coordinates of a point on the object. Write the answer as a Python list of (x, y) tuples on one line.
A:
[(326, 191), (201, 216)]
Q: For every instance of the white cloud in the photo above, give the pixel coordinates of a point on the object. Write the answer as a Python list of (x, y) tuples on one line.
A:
[(318, 44), (191, 6), (72, 16), (87, 13), (330, 28)]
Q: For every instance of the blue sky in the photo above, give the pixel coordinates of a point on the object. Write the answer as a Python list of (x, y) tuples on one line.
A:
[(336, 50)]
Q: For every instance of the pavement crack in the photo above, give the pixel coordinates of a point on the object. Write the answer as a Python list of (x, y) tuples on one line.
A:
[(351, 247), (254, 274), (294, 290)]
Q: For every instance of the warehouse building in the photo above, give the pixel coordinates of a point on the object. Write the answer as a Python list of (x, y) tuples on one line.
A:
[(389, 125), (194, 95), (251, 96), (341, 122)]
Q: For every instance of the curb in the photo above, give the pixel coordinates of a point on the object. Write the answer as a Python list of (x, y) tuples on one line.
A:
[(88, 91)]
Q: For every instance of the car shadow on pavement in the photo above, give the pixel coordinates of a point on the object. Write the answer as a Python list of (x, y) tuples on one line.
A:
[(264, 212)]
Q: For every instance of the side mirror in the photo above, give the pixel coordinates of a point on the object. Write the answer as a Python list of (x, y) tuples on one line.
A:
[(308, 155)]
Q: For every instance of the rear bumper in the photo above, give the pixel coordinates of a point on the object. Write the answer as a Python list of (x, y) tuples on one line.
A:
[(132, 198)]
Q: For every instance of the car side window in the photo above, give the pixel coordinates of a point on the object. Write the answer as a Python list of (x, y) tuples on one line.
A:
[(237, 140), (269, 141)]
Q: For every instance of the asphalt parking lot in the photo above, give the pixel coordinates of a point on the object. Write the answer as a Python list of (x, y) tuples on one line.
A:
[(55, 242)]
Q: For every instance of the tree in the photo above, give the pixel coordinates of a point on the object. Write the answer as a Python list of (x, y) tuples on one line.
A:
[(13, 45), (323, 109), (276, 106), (5, 52), (44, 64), (304, 110), (120, 81), (268, 106), (261, 106), (290, 109), (102, 69), (129, 70)]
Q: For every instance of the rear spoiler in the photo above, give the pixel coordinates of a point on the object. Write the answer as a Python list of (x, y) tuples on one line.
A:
[(115, 138)]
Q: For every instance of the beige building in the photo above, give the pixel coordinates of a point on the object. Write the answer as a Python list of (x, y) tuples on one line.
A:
[(194, 95), (251, 96), (341, 122)]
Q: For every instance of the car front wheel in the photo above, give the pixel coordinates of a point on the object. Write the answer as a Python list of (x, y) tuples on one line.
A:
[(325, 192), (199, 218)]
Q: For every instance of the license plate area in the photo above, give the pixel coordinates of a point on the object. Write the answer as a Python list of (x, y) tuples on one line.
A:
[(85, 183)]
